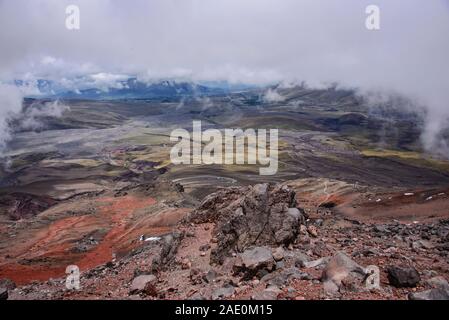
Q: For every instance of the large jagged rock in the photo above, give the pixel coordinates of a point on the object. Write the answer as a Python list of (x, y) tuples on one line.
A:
[(169, 247), (264, 214)]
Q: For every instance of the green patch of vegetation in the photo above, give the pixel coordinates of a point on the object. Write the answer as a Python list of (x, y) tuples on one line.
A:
[(410, 157)]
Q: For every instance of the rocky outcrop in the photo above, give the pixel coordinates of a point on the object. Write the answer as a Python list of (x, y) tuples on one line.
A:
[(264, 214), (169, 247), (24, 206)]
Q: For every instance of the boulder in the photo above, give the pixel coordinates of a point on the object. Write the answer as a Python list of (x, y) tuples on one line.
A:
[(403, 277), (341, 269), (264, 214), (432, 294), (254, 262)]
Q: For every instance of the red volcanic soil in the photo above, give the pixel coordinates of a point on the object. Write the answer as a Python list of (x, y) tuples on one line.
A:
[(50, 250), (118, 211), (372, 204)]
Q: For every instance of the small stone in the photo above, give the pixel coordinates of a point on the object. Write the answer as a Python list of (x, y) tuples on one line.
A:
[(422, 244), (278, 254), (197, 296), (223, 292), (3, 294), (280, 265), (313, 231), (267, 294), (301, 259), (255, 262), (210, 276), (150, 290), (205, 247), (140, 283), (303, 230), (186, 264)]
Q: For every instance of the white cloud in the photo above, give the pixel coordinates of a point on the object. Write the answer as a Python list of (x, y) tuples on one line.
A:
[(273, 96), (10, 104), (251, 41)]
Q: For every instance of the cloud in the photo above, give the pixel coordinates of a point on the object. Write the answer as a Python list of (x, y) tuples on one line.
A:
[(251, 41), (272, 96), (10, 104), (33, 118)]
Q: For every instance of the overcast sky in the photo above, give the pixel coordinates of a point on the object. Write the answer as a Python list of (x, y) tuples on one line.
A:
[(251, 41)]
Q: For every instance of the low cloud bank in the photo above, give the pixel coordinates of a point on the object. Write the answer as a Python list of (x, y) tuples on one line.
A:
[(251, 41)]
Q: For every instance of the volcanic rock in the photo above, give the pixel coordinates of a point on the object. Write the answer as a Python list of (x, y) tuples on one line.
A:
[(169, 247), (278, 254), (140, 283), (438, 283), (339, 269), (255, 262), (281, 278), (271, 293), (25, 206), (432, 294), (3, 294), (403, 277), (223, 292), (264, 214)]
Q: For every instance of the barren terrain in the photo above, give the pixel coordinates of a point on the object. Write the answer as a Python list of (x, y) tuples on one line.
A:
[(95, 188)]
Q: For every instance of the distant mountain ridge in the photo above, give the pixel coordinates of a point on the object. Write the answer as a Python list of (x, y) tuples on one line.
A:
[(131, 88)]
